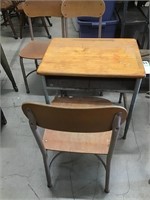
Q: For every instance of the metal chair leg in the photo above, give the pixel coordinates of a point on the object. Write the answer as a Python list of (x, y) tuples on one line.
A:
[(63, 93), (50, 24), (11, 25), (107, 176), (120, 97), (45, 26), (36, 63), (22, 22), (24, 75), (47, 170)]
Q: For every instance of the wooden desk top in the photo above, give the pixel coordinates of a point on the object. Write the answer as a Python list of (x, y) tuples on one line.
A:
[(98, 57)]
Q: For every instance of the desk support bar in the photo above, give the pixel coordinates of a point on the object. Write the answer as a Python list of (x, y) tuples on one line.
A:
[(45, 90), (132, 104)]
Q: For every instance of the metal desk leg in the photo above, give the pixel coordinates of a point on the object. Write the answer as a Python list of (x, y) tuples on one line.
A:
[(6, 68), (132, 104), (24, 75), (45, 90)]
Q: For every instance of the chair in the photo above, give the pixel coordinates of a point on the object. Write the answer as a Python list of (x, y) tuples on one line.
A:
[(79, 125), (6, 7), (19, 9), (76, 8), (35, 50)]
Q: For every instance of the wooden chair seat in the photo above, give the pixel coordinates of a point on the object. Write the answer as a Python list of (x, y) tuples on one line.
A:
[(96, 143), (80, 102), (32, 50)]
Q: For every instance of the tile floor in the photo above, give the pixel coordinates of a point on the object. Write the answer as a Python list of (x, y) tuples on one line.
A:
[(74, 176)]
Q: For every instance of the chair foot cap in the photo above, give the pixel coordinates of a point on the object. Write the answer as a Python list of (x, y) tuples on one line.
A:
[(27, 92), (106, 191), (49, 186)]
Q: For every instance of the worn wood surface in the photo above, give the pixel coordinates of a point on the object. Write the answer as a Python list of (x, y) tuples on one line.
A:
[(80, 102), (97, 143), (92, 58)]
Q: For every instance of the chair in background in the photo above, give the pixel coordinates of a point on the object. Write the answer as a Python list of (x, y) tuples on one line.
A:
[(76, 8), (6, 7), (83, 125), (23, 18), (35, 50)]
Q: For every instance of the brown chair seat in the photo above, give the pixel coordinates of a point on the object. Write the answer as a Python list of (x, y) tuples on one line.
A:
[(80, 102), (34, 50)]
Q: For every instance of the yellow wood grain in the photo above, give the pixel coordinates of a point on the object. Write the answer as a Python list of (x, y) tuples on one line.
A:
[(92, 58)]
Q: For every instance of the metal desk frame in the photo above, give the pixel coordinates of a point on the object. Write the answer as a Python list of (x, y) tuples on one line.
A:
[(123, 90), (60, 77)]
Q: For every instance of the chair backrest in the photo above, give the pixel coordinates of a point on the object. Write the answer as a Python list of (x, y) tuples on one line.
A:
[(43, 8), (83, 8), (95, 119), (5, 4)]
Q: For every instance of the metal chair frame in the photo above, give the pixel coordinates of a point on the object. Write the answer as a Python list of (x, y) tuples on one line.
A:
[(30, 12), (77, 8), (49, 120)]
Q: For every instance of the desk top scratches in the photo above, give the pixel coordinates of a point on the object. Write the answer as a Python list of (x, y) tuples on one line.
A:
[(88, 57)]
